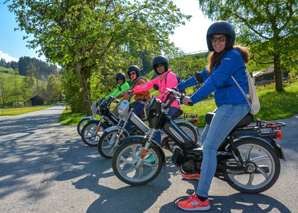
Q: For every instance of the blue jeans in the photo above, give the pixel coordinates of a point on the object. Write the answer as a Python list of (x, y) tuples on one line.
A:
[(225, 119), (138, 109), (157, 135)]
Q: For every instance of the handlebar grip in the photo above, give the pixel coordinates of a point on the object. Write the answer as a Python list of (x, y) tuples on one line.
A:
[(190, 103), (167, 98)]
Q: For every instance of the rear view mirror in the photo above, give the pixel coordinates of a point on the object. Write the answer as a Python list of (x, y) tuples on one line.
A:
[(198, 77), (155, 86)]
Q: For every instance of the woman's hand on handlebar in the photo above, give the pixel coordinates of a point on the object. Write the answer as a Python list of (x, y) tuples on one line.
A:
[(116, 100), (187, 101)]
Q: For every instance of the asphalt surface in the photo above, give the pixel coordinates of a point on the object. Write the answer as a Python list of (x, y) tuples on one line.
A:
[(45, 167)]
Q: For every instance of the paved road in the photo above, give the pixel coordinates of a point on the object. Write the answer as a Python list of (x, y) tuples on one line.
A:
[(45, 167)]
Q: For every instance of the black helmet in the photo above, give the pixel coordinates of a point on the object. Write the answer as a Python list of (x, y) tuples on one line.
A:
[(160, 60), (133, 68), (120, 75), (221, 28)]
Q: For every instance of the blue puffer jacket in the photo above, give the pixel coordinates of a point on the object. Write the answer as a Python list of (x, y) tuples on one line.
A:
[(220, 81)]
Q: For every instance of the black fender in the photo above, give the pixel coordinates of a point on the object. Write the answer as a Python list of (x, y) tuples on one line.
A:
[(143, 139), (93, 121), (258, 136)]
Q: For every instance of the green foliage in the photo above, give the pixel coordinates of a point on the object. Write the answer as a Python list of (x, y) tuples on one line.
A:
[(91, 37), (70, 86), (53, 88), (268, 27)]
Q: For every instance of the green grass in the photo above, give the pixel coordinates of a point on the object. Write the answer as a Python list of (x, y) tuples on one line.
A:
[(274, 105), (2, 69), (9, 77), (23, 110), (69, 118)]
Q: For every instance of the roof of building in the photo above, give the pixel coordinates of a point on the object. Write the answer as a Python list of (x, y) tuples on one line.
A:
[(38, 97)]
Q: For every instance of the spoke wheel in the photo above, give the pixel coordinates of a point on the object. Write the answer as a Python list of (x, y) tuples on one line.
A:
[(261, 159), (81, 125), (106, 143), (125, 161), (89, 134)]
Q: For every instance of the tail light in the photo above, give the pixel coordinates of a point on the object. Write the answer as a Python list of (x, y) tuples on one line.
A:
[(278, 134), (196, 121)]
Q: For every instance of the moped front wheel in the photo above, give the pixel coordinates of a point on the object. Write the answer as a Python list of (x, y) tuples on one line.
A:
[(262, 167), (90, 134), (106, 143), (125, 163), (81, 125)]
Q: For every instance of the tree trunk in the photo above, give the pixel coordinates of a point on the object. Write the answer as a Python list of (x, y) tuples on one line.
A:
[(277, 73), (83, 76)]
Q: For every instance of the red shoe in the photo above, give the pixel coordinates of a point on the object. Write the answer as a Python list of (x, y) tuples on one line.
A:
[(193, 203), (192, 176)]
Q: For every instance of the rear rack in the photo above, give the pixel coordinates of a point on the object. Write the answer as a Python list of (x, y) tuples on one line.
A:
[(261, 124)]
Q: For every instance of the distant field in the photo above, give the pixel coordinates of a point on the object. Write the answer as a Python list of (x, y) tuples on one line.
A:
[(2, 69), (19, 77)]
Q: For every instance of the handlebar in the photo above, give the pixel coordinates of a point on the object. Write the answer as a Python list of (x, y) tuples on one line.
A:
[(173, 91)]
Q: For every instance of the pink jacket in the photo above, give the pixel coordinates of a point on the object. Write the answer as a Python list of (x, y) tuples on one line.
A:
[(171, 82)]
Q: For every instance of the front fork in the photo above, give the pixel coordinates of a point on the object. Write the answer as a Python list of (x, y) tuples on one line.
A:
[(236, 152), (146, 147), (120, 132), (96, 128)]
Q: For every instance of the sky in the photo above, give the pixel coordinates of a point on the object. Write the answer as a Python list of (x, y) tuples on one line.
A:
[(190, 38)]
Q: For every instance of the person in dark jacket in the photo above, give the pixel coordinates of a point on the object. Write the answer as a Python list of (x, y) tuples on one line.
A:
[(225, 61)]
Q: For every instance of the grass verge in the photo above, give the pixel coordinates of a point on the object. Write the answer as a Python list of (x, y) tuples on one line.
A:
[(23, 110)]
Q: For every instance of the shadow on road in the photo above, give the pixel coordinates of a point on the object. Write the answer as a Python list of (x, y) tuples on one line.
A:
[(237, 202)]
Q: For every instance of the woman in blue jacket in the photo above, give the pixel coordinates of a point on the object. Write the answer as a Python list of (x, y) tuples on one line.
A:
[(225, 61)]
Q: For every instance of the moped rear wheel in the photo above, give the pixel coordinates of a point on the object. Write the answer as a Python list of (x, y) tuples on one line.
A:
[(263, 167), (125, 161), (107, 142)]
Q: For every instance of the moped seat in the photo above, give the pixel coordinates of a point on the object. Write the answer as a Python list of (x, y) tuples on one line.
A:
[(177, 114), (244, 122)]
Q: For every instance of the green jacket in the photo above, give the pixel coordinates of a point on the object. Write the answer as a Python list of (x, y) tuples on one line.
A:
[(124, 87)]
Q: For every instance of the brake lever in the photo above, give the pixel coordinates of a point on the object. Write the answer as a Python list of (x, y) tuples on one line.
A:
[(181, 99)]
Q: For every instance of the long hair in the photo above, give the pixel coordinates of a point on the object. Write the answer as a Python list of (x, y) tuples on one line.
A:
[(214, 59)]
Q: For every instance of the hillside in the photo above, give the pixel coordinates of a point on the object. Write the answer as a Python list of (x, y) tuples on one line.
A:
[(3, 69), (26, 65), (6, 76)]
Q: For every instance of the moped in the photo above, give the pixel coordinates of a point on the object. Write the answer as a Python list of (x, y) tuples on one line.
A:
[(92, 131), (247, 159), (110, 139)]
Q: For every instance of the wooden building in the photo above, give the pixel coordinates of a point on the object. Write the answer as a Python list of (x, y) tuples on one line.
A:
[(37, 100)]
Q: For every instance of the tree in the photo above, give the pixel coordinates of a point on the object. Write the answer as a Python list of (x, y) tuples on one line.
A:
[(53, 88), (31, 72), (5, 89), (27, 89), (17, 90), (81, 35), (268, 27)]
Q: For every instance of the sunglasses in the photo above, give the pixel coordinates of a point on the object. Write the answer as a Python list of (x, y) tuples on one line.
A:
[(132, 73), (118, 79), (221, 39), (159, 65)]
